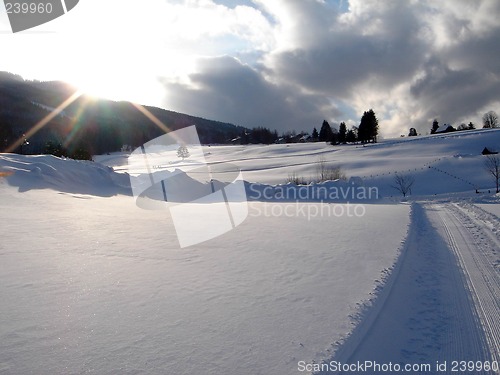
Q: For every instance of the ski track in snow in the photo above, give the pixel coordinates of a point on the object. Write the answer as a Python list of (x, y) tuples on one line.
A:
[(441, 302), (476, 248), (124, 299)]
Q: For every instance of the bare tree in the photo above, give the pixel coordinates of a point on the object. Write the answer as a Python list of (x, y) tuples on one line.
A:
[(325, 172), (490, 120), (294, 178), (492, 165), (403, 183)]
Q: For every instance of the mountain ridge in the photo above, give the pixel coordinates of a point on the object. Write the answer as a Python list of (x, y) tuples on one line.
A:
[(98, 125)]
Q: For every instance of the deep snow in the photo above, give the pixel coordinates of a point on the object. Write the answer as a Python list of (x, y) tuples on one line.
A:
[(92, 283)]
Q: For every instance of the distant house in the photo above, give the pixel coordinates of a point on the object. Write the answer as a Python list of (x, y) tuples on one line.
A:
[(236, 140), (487, 151), (446, 128)]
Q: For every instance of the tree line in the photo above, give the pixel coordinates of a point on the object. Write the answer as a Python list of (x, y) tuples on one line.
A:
[(490, 121), (366, 132)]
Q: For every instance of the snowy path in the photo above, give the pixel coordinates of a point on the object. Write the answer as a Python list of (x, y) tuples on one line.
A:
[(441, 303), (475, 247)]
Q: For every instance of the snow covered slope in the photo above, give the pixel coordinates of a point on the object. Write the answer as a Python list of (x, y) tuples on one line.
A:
[(448, 163), (91, 283), (444, 163), (94, 284)]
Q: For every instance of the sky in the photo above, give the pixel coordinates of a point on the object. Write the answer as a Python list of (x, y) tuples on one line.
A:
[(283, 64)]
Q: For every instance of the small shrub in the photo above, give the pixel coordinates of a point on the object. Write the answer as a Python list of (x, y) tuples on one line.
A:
[(296, 179), (81, 154), (55, 148), (325, 172)]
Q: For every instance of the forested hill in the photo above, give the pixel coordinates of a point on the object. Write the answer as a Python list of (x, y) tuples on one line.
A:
[(96, 125)]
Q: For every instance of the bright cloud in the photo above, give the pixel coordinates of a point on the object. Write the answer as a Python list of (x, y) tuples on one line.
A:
[(285, 64)]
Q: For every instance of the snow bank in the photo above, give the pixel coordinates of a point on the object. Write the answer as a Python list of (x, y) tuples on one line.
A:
[(66, 175)]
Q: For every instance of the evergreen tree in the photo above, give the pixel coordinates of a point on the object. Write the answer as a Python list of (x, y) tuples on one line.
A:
[(342, 132), (368, 127), (471, 126), (315, 135), (81, 153), (262, 135), (351, 136), (6, 136), (335, 137), (435, 126), (55, 148), (325, 133)]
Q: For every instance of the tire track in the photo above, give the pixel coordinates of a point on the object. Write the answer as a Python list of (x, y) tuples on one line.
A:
[(429, 310), (477, 345), (483, 280)]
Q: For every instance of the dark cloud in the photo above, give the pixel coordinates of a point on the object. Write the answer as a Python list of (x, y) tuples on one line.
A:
[(385, 44), (453, 94), (414, 60), (480, 53), (227, 90), (337, 70), (461, 78)]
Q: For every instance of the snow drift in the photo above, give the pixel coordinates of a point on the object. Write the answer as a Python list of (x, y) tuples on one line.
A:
[(65, 175)]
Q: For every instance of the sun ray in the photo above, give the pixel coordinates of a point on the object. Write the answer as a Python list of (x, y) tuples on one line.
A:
[(76, 125), (40, 124), (152, 117)]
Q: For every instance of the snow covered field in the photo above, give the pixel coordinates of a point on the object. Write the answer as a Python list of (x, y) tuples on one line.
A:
[(441, 164), (90, 283)]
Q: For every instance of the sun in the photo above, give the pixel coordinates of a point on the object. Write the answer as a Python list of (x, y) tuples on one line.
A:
[(110, 50), (118, 87), (101, 86), (118, 63)]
